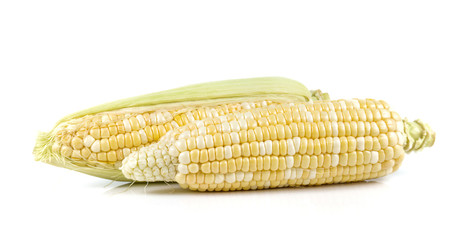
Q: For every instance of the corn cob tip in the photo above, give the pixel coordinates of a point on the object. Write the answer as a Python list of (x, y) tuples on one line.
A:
[(419, 135)]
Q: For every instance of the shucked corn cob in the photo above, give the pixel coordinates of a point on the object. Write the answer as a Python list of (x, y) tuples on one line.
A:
[(277, 143), (289, 144), (96, 140)]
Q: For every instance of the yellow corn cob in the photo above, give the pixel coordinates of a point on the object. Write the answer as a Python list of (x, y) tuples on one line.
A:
[(96, 140), (284, 144), (105, 139)]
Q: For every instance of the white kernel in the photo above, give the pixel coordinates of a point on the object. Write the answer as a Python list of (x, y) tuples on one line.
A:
[(88, 141), (157, 174), (164, 171), (248, 115), (248, 176), (184, 135), (342, 104), (336, 145), (184, 157), (181, 145), (141, 120), (245, 105), (309, 117), (141, 154), (234, 137), (143, 136), (160, 162), (182, 169), (172, 171), (209, 141), (287, 173), (142, 163), (297, 142), (219, 178), (168, 159), (158, 154), (174, 124), (289, 161), (361, 126), (312, 174), (227, 152), (243, 124), (401, 138), (333, 116), (234, 126), (230, 177), (150, 161), (126, 152), (334, 129), (200, 142), (355, 103), (105, 119), (127, 126), (222, 119), (360, 143), (190, 116), (293, 175), (374, 157), (262, 149), (150, 150), (299, 173), (399, 126), (202, 131), (148, 173), (160, 117), (331, 106), (268, 145), (199, 124), (225, 127), (290, 147), (267, 184), (214, 112), (173, 151), (208, 112), (95, 146), (153, 118), (335, 160), (167, 115), (239, 176), (131, 162)]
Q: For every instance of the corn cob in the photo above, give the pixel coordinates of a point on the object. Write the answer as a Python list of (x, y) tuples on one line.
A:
[(285, 144), (96, 140)]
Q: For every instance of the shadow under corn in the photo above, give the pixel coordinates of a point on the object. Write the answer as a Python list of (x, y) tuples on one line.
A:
[(173, 189)]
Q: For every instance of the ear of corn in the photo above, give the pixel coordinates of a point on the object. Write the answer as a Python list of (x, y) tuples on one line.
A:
[(286, 144), (96, 140)]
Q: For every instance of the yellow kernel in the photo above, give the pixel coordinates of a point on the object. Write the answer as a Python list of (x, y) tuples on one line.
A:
[(136, 140), (206, 167), (95, 132), (274, 163)]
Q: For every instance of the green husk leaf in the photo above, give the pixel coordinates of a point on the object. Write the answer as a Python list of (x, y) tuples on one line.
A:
[(265, 87)]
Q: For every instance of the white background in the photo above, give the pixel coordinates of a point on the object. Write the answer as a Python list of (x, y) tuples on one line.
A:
[(57, 57)]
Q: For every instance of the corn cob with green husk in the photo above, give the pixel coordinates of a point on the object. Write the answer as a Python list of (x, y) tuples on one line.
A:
[(270, 140), (96, 140)]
